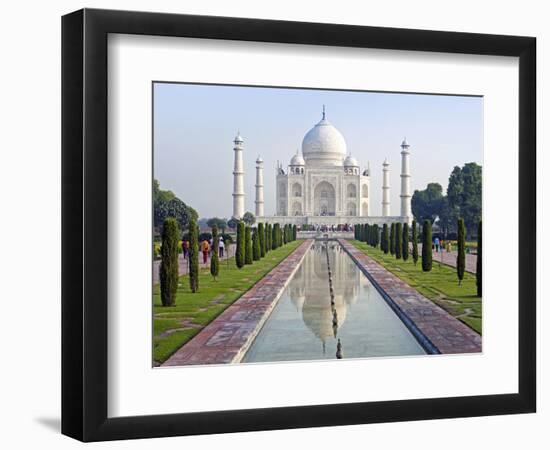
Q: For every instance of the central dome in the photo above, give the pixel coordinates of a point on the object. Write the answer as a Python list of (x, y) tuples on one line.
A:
[(324, 145)]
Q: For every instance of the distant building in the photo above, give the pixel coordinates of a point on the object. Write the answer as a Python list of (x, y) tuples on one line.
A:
[(323, 184)]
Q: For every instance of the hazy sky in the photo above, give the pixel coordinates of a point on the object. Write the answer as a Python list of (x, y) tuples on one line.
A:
[(194, 128)]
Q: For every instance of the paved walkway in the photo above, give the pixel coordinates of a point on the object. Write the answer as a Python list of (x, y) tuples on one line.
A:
[(436, 329), (449, 258), (226, 338), (183, 263)]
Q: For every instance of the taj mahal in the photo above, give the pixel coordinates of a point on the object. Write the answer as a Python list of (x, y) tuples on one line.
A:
[(322, 185)]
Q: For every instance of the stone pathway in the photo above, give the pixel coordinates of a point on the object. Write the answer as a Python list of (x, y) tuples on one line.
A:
[(449, 258), (436, 329), (183, 263), (226, 338)]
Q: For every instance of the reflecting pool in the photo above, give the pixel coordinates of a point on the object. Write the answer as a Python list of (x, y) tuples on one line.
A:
[(310, 318)]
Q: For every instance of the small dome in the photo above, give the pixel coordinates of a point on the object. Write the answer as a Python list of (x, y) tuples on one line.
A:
[(259, 160), (238, 139), (297, 160), (405, 144), (350, 161), (324, 145)]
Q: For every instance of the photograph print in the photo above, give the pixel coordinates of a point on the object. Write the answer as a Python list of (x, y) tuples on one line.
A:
[(299, 224)]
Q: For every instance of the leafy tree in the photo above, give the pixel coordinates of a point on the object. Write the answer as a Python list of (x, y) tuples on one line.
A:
[(427, 204), (241, 244), (455, 189), (169, 262), (249, 218), (193, 256), (174, 207), (392, 239), (233, 223), (470, 209), (461, 253), (214, 259), (427, 246), (221, 224), (248, 250), (256, 252), (385, 245), (405, 241), (478, 262), (414, 242), (398, 240), (261, 239)]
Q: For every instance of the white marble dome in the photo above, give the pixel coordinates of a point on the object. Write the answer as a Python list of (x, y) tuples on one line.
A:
[(324, 145), (350, 161), (297, 160)]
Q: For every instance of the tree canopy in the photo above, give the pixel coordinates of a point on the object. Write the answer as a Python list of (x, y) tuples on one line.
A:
[(166, 204), (249, 218), (427, 204)]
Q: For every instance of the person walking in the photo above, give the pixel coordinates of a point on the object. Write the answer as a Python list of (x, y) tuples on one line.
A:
[(205, 247), (221, 247), (436, 243), (185, 248)]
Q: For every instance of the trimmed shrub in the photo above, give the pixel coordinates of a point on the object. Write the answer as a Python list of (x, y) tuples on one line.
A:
[(169, 262), (385, 244), (193, 256), (461, 253), (240, 252), (214, 259), (248, 257), (294, 232), (427, 246), (398, 240), (261, 239), (478, 263), (392, 239), (405, 240), (414, 242), (256, 252)]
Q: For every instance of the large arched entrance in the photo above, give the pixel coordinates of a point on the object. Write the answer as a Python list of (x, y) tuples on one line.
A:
[(324, 199)]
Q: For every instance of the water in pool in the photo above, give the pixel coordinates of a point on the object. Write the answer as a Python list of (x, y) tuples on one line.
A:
[(306, 325)]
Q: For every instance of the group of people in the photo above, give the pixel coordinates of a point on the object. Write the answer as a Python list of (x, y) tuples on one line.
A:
[(205, 248)]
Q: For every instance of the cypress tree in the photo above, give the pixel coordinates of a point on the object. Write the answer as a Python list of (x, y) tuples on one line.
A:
[(392, 239), (269, 237), (414, 242), (356, 232), (461, 254), (256, 251), (478, 262), (261, 239), (214, 259), (398, 240), (405, 241), (427, 246), (274, 237), (248, 246), (294, 232), (240, 252), (169, 265), (365, 232), (385, 239), (376, 235), (279, 236), (193, 256)]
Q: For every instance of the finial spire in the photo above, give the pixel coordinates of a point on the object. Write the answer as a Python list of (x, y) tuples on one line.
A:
[(324, 114)]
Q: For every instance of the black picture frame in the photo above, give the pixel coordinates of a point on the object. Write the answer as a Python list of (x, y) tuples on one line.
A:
[(84, 224)]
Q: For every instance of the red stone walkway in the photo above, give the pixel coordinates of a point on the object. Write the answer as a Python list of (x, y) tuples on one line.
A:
[(226, 338), (435, 328)]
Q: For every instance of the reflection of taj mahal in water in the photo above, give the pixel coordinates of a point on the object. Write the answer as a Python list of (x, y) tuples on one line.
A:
[(310, 294), (322, 185)]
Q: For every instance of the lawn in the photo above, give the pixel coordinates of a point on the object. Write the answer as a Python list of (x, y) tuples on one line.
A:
[(173, 326), (439, 285)]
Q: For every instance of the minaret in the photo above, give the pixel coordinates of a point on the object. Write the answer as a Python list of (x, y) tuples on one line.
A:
[(238, 178), (259, 187), (405, 180), (386, 188)]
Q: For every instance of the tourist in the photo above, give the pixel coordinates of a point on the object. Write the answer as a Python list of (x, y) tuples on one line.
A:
[(221, 246), (205, 247), (436, 244), (184, 248)]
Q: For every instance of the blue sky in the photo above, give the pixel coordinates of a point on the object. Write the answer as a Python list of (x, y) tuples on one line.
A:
[(194, 127)]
